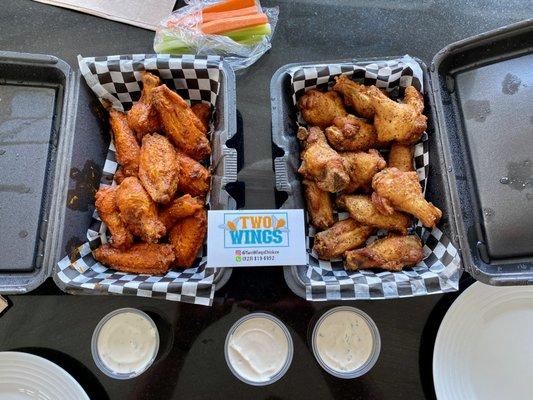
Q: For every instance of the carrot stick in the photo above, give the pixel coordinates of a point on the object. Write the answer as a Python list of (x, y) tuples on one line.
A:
[(231, 24), (211, 16), (229, 5)]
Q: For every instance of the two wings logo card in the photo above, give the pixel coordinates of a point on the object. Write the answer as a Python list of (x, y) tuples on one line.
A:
[(255, 238)]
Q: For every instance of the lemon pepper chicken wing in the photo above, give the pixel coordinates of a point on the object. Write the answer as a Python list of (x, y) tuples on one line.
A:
[(141, 258), (401, 157), (401, 191), (320, 162), (194, 178), (180, 124), (400, 122), (392, 253), (350, 133), (126, 146), (106, 205), (361, 168), (319, 205), (187, 237), (203, 112), (181, 207), (319, 108), (344, 235), (138, 210), (363, 210), (158, 168), (142, 117), (357, 95)]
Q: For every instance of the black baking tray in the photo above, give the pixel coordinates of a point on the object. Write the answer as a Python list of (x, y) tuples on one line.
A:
[(58, 171), (484, 96), (496, 240)]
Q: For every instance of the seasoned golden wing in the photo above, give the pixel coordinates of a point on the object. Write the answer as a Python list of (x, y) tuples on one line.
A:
[(181, 207), (365, 212), (203, 112), (320, 162), (401, 157), (138, 210), (187, 238), (159, 168), (141, 258), (180, 124), (401, 122), (361, 168), (344, 235), (401, 191), (194, 177), (356, 95), (319, 205), (142, 117), (319, 108), (352, 134), (106, 205), (126, 146), (392, 253)]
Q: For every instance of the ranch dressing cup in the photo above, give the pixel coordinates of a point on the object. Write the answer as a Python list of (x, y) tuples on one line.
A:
[(346, 342), (258, 349), (125, 343)]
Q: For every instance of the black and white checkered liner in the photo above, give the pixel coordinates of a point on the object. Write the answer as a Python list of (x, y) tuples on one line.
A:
[(440, 270), (116, 79)]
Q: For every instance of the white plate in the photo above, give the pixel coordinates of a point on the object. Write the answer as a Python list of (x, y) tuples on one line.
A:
[(25, 376), (484, 348)]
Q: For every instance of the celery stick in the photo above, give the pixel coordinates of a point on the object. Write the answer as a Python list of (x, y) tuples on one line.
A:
[(241, 34)]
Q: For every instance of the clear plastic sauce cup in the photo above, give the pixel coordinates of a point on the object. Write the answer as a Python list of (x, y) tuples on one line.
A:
[(125, 343), (258, 349)]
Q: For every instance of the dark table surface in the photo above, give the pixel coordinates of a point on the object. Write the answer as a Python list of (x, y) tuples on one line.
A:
[(191, 362)]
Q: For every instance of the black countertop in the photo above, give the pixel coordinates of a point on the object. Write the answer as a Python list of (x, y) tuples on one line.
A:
[(191, 361)]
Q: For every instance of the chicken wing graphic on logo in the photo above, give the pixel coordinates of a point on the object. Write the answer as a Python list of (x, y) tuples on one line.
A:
[(230, 225), (279, 224)]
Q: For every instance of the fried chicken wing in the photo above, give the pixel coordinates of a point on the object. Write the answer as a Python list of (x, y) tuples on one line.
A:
[(180, 124), (126, 146), (142, 117), (203, 112), (402, 192), (344, 235), (365, 212), (187, 237), (141, 258), (392, 253), (319, 108), (356, 95), (194, 178), (320, 162), (319, 205), (401, 122), (181, 207), (361, 168), (158, 168), (352, 134), (138, 211), (106, 205), (401, 157)]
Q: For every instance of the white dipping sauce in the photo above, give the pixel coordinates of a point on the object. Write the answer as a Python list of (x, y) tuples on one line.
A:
[(258, 349), (344, 341), (127, 343)]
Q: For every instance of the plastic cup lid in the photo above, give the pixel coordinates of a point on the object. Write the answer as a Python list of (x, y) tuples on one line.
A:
[(290, 349), (374, 354)]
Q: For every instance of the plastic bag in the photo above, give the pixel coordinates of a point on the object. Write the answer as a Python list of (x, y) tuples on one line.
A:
[(180, 33)]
